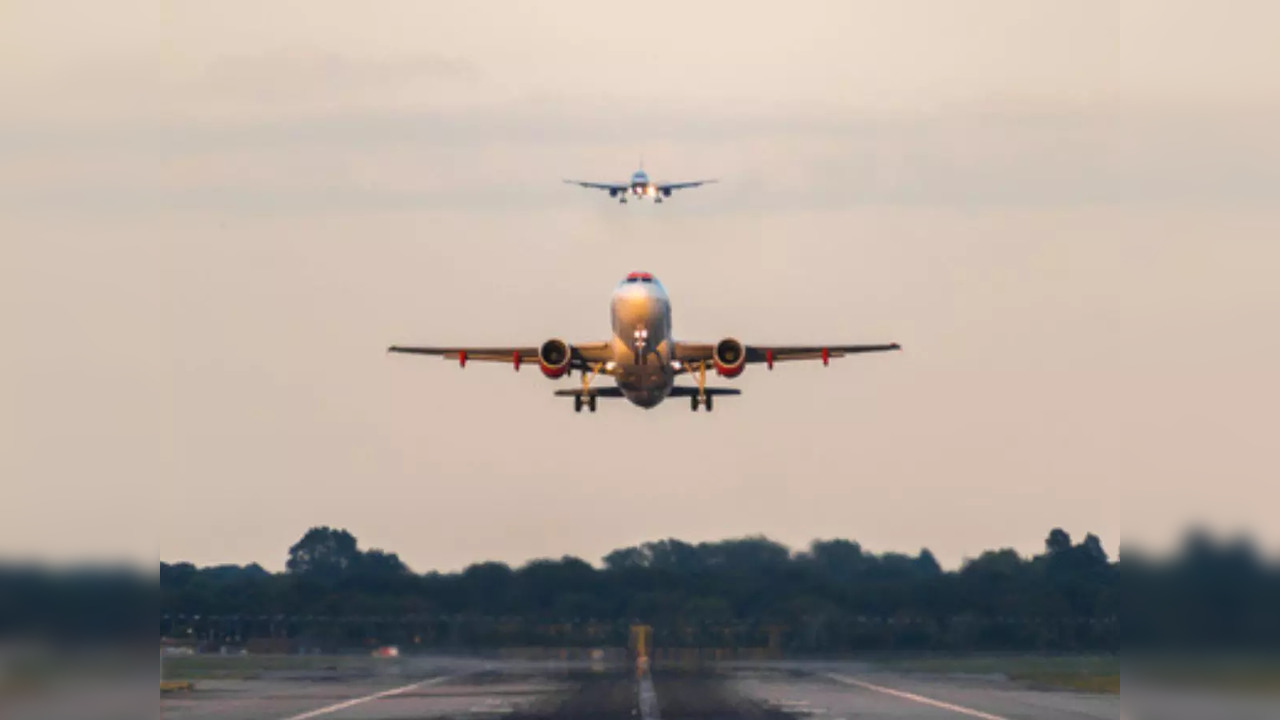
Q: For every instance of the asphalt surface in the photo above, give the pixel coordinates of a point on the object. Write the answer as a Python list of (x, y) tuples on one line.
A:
[(506, 691)]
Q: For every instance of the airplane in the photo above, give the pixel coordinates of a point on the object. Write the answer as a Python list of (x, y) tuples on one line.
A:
[(642, 356), (640, 186)]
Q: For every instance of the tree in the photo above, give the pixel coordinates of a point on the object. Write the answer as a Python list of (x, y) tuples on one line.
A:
[(323, 554), (1058, 541), (1092, 547), (926, 564)]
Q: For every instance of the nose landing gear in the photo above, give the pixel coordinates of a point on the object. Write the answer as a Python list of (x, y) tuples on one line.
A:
[(642, 340)]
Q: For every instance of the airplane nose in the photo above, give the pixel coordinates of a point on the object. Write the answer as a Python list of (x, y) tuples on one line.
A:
[(640, 306)]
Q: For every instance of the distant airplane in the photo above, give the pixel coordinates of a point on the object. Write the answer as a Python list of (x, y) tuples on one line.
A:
[(641, 355), (640, 187)]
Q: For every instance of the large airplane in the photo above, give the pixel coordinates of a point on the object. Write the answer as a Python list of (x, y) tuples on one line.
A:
[(642, 356), (640, 187)]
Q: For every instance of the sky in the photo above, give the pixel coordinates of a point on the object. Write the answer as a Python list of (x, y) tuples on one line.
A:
[(215, 217)]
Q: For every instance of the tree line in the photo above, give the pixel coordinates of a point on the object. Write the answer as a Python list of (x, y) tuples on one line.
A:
[(833, 596)]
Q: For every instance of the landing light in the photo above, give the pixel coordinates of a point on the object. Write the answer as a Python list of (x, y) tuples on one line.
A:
[(609, 366)]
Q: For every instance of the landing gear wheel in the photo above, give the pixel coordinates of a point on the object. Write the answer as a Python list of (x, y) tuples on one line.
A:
[(693, 403), (577, 403), (707, 402), (591, 403)]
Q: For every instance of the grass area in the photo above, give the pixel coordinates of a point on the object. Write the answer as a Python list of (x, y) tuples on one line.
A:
[(1082, 673), (1101, 684), (1247, 674), (173, 686), (241, 667)]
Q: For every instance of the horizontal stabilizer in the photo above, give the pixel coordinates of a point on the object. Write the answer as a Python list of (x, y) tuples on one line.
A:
[(689, 391), (609, 392)]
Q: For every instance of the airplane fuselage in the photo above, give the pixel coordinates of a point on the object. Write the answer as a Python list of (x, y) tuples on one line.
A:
[(643, 366), (641, 187)]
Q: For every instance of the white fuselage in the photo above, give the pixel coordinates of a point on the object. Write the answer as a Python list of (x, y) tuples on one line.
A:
[(641, 342)]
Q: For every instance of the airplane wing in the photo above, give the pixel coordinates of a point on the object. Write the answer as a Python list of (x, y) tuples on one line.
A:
[(583, 353), (668, 187), (611, 187), (703, 352)]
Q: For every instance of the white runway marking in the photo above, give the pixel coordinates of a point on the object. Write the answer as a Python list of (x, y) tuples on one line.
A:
[(356, 701), (648, 699), (917, 698)]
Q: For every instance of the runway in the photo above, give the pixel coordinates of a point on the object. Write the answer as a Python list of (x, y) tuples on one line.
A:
[(549, 691)]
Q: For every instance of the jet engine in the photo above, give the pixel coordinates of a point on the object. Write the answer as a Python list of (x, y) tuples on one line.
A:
[(729, 357), (554, 357)]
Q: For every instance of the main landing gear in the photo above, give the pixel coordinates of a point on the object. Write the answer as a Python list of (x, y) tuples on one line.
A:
[(587, 397), (702, 398)]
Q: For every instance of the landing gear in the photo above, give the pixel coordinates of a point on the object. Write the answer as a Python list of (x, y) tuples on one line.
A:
[(586, 397), (702, 398), (705, 401), (623, 199)]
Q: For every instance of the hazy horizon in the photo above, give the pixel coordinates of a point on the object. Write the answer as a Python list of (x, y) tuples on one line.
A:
[(217, 218)]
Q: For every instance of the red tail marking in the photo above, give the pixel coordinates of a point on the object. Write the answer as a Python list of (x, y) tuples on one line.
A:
[(462, 358), (768, 358), (515, 360), (826, 356)]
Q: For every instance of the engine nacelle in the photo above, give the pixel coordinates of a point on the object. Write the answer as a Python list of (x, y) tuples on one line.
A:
[(613, 192), (666, 192), (729, 357), (553, 358)]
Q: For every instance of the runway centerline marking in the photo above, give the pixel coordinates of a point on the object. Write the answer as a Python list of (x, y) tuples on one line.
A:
[(357, 701), (648, 699), (917, 698)]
